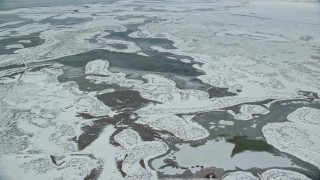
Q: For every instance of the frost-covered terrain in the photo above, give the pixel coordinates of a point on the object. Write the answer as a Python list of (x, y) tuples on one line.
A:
[(161, 89)]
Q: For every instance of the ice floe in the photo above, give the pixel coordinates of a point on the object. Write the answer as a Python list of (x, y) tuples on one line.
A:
[(299, 137), (305, 115), (37, 166), (25, 41), (183, 128), (40, 119), (100, 67), (97, 67), (14, 46), (138, 150), (228, 123), (248, 112), (270, 174)]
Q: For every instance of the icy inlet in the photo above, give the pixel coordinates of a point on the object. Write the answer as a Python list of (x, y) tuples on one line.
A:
[(161, 89)]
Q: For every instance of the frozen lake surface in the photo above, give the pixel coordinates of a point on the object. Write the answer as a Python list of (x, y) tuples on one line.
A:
[(159, 89)]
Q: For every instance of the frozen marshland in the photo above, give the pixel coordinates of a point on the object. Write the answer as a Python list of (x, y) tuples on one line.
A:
[(136, 89)]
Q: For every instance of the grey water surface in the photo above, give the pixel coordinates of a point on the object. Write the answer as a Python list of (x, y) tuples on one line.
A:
[(13, 4)]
